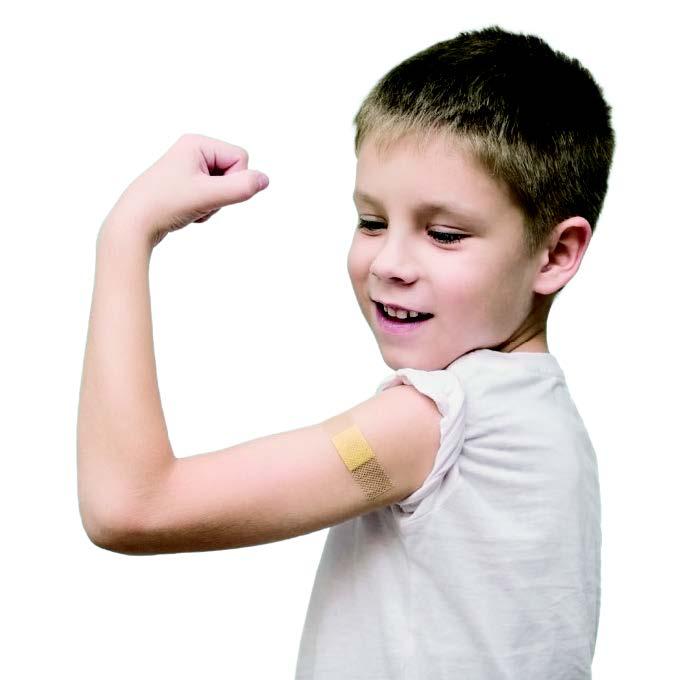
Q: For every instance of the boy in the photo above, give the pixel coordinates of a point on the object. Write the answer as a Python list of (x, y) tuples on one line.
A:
[(464, 505)]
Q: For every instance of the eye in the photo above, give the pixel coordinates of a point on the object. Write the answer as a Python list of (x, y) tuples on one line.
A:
[(447, 236), (371, 225), (439, 236)]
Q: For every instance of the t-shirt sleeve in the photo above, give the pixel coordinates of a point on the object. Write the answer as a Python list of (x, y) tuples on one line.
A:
[(445, 389)]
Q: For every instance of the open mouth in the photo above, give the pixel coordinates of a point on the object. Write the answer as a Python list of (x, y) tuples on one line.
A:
[(407, 320)]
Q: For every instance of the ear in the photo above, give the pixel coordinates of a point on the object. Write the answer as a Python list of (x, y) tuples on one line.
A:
[(561, 257)]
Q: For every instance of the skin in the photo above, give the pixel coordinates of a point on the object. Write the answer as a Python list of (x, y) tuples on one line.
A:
[(483, 291)]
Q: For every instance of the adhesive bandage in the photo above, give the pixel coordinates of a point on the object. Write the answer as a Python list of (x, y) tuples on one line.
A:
[(357, 455)]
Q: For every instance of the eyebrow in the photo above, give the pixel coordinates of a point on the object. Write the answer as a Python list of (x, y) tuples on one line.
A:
[(442, 207)]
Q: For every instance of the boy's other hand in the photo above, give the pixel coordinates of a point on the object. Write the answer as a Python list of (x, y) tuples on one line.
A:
[(189, 183)]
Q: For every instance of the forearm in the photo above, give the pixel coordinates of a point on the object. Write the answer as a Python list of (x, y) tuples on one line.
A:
[(123, 447)]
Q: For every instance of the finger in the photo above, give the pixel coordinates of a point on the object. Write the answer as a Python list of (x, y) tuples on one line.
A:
[(233, 187), (220, 156)]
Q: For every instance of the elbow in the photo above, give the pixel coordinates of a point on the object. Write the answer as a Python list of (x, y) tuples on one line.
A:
[(101, 534), (114, 531)]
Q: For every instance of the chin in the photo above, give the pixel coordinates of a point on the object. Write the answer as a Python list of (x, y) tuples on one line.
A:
[(395, 359)]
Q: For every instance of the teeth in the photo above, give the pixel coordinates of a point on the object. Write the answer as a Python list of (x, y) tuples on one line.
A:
[(399, 313)]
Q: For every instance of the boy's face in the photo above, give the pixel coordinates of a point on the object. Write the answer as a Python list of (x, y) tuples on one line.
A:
[(479, 290)]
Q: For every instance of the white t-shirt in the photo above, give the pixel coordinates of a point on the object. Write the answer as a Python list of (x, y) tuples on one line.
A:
[(491, 569)]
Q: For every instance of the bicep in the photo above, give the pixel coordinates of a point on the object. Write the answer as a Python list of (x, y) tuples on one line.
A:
[(287, 484)]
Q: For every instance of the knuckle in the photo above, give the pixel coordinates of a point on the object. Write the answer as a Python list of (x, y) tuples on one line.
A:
[(242, 153)]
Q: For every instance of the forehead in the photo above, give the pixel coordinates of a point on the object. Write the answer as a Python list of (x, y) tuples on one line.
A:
[(437, 175)]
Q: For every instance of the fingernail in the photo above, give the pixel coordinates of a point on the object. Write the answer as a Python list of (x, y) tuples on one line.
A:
[(263, 181)]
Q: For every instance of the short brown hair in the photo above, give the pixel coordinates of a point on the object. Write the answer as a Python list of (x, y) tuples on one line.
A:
[(532, 116)]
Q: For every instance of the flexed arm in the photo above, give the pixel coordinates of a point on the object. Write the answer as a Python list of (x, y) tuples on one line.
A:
[(122, 440)]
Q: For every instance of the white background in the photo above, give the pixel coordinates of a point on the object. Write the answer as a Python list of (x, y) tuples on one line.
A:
[(256, 327)]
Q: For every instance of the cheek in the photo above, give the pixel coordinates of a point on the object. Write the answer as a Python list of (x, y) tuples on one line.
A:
[(475, 295), (354, 272), (351, 263), (504, 296), (358, 262), (465, 286)]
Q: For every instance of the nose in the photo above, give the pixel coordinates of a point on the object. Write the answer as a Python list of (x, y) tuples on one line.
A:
[(393, 262)]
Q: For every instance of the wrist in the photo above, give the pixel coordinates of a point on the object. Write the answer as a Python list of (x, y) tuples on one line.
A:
[(119, 232)]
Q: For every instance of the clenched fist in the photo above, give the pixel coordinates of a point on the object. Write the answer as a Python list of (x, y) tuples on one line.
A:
[(189, 183)]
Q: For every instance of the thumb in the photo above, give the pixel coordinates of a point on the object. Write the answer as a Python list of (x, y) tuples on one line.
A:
[(234, 187)]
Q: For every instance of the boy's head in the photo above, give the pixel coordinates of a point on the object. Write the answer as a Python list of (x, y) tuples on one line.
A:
[(514, 135)]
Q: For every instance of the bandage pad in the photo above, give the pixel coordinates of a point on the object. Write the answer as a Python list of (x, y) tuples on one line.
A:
[(357, 455)]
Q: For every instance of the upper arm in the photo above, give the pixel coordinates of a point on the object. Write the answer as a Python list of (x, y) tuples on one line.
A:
[(286, 484)]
